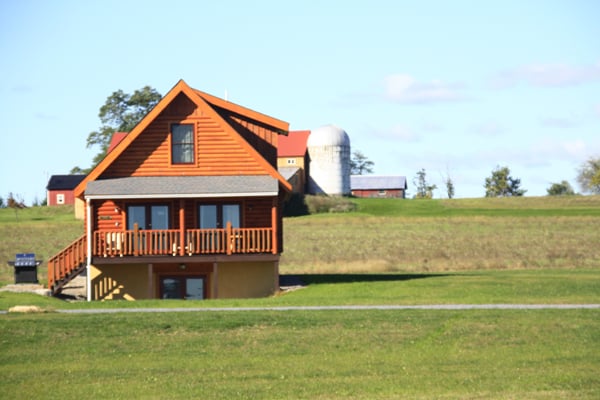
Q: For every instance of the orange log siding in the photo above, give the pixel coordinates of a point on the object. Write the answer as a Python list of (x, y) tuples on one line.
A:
[(111, 215), (217, 152)]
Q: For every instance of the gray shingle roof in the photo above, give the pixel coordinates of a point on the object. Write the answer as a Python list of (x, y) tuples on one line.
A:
[(373, 182), (182, 187), (288, 172)]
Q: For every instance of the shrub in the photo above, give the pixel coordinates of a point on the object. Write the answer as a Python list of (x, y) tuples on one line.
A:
[(329, 204), (295, 206)]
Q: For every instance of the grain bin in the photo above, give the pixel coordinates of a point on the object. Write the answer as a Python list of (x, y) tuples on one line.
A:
[(329, 155)]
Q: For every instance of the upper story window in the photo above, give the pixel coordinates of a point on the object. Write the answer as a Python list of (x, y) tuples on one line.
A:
[(182, 143), (291, 161)]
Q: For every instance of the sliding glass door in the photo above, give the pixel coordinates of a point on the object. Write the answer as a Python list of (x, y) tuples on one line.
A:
[(213, 216), (155, 216), (183, 287)]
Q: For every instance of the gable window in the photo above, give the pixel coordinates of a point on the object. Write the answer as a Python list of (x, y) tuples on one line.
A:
[(182, 143)]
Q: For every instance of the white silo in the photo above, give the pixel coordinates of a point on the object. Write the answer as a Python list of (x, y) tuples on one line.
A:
[(329, 155)]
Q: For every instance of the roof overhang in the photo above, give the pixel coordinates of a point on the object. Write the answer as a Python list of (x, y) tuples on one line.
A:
[(182, 187)]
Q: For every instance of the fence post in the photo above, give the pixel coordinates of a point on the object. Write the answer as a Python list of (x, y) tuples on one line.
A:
[(136, 239), (228, 238)]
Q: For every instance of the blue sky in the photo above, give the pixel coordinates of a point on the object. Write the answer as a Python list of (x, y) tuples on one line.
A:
[(454, 87)]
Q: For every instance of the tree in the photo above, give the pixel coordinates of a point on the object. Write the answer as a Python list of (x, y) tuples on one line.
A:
[(424, 189), (588, 176), (560, 189), (16, 203), (501, 184), (360, 164), (449, 187), (120, 113), (449, 183)]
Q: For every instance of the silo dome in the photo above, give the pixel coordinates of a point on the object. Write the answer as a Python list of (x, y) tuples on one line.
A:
[(329, 153)]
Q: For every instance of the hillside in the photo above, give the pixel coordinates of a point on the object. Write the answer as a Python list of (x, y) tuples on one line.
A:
[(384, 235)]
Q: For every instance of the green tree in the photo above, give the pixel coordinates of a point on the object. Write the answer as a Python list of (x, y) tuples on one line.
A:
[(588, 176), (560, 189), (501, 184), (360, 164), (424, 189), (120, 113)]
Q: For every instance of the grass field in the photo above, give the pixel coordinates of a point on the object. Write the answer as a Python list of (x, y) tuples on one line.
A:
[(531, 251), (384, 236), (387, 235), (303, 355)]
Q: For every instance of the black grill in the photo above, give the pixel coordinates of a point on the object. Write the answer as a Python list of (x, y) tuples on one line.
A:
[(25, 268)]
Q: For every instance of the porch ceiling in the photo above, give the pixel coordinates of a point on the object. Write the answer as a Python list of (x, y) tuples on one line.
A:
[(151, 187)]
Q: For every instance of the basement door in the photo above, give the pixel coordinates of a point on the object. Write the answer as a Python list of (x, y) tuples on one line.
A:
[(182, 287)]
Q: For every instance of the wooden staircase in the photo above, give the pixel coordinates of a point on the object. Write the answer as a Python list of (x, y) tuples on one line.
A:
[(67, 264)]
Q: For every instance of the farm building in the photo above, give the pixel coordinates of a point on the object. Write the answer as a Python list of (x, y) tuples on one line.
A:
[(318, 160), (378, 186), (60, 188), (186, 205), (292, 159)]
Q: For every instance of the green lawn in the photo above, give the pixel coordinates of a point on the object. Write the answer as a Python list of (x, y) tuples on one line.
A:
[(474, 251), (411, 354)]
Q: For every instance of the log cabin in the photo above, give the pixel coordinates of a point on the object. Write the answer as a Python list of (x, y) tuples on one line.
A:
[(188, 205)]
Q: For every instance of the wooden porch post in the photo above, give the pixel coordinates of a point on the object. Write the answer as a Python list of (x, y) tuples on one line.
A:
[(181, 227), (228, 238), (89, 246), (274, 226), (136, 239)]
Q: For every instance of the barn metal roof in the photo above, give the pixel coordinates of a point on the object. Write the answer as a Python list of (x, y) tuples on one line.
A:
[(64, 182), (292, 145), (151, 187), (374, 182)]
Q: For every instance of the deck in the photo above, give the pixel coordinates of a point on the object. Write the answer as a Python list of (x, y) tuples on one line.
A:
[(162, 243)]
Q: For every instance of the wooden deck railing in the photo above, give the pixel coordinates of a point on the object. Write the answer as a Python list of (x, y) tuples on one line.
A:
[(194, 241), (135, 243), (167, 242), (67, 261), (229, 241)]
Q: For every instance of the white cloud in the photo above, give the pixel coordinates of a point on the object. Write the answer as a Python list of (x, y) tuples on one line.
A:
[(397, 132), (561, 150), (547, 75), (489, 128), (404, 88), (559, 122)]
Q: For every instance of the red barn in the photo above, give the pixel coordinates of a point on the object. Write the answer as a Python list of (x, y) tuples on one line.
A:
[(378, 186), (60, 189)]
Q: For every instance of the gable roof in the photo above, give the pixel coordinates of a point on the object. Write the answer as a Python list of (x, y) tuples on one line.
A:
[(64, 182), (374, 182), (293, 145), (207, 102)]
